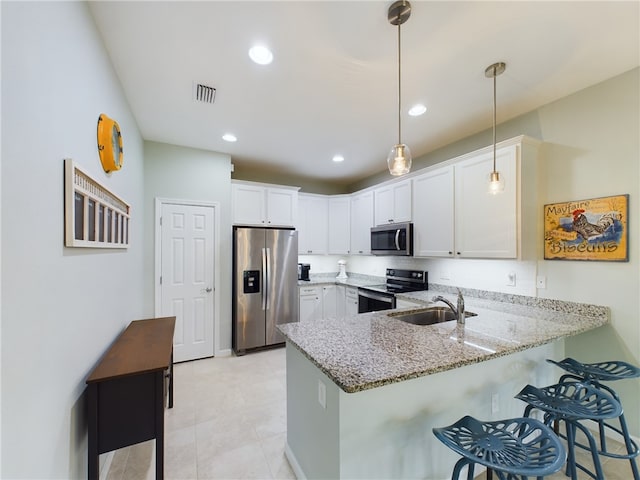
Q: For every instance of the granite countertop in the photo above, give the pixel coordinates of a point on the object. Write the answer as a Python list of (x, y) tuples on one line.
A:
[(374, 349)]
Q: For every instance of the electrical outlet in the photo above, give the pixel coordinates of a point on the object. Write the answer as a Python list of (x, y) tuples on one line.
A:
[(322, 394), (511, 279), (445, 275), (541, 282), (495, 403)]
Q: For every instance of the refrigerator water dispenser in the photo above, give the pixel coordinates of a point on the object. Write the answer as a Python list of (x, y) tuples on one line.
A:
[(251, 281)]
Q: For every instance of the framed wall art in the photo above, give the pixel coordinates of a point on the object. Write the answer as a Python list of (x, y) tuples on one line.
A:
[(94, 216), (592, 229)]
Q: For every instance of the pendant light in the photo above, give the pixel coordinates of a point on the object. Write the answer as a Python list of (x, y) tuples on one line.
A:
[(496, 182), (399, 159)]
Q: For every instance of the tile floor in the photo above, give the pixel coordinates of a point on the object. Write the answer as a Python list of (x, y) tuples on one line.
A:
[(229, 422)]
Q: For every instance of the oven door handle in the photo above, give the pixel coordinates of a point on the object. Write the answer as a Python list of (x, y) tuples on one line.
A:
[(377, 296), (398, 239)]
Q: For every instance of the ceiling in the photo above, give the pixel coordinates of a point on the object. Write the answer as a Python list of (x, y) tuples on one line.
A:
[(332, 86)]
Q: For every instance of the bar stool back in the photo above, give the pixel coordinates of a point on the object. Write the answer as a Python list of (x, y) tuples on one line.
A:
[(594, 374), (514, 449)]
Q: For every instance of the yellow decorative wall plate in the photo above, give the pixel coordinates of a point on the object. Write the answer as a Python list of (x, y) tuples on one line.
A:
[(109, 144)]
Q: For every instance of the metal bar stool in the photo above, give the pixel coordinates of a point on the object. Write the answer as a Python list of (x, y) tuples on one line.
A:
[(514, 449), (572, 402), (594, 374)]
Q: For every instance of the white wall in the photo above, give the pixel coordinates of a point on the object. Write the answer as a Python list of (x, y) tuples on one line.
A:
[(61, 307), (593, 150), (190, 174)]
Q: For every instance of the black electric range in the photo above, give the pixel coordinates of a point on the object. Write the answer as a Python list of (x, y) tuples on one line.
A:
[(374, 298)]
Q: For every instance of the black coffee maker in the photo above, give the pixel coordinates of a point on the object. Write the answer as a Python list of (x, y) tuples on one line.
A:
[(303, 271)]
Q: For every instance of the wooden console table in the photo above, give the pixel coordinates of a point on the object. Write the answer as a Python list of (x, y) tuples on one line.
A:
[(127, 391)]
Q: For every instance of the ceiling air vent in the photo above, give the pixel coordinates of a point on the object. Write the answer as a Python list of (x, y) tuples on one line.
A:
[(203, 93)]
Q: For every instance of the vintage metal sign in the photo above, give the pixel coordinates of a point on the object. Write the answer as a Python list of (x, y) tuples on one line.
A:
[(593, 229)]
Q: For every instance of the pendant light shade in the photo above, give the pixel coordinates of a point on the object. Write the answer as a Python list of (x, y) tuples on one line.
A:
[(399, 158), (496, 181)]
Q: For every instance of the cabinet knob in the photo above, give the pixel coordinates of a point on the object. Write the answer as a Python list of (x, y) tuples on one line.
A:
[(458, 253), (450, 253)]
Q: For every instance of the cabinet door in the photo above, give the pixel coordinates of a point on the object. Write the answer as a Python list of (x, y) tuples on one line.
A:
[(393, 203), (486, 225), (361, 223), (402, 201), (384, 205), (313, 221), (310, 304), (329, 302), (341, 301), (282, 207), (433, 214), (339, 225), (248, 204), (352, 301)]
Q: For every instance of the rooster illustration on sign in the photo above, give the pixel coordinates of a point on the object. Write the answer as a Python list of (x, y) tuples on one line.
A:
[(588, 230)]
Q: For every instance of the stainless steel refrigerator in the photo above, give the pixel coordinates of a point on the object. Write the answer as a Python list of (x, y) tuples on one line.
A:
[(265, 285)]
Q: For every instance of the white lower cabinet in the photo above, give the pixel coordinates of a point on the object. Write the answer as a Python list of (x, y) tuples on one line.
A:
[(310, 304), (327, 302), (351, 296), (341, 301)]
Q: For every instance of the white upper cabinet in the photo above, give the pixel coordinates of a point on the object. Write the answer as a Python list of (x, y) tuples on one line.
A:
[(361, 222), (454, 214), (393, 203), (433, 213), (313, 224), (486, 224), (339, 224), (264, 205)]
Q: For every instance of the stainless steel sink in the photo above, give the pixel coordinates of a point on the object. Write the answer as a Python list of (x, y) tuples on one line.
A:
[(429, 316)]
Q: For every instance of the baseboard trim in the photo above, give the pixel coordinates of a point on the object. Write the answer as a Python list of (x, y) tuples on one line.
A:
[(293, 461)]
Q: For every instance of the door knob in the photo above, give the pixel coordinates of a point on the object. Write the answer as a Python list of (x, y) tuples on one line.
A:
[(208, 289)]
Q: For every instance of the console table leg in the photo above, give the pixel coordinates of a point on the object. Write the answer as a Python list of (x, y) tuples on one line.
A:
[(92, 413), (160, 426)]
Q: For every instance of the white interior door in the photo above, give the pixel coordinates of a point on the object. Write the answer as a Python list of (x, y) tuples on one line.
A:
[(187, 273)]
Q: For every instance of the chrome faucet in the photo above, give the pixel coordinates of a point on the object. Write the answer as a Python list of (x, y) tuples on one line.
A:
[(458, 312)]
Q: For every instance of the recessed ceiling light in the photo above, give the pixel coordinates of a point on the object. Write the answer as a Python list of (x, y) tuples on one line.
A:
[(417, 110), (338, 158), (229, 137), (261, 55)]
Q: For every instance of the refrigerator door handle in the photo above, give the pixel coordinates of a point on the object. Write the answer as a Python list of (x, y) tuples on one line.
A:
[(264, 279), (267, 286)]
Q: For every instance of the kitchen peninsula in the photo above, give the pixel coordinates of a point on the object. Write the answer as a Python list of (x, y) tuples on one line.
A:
[(364, 392)]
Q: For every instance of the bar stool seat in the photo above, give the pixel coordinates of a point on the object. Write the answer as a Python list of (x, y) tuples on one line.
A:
[(572, 402), (513, 448), (594, 374)]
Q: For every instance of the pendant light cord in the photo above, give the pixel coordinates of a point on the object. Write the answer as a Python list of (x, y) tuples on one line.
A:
[(399, 88), (494, 118)]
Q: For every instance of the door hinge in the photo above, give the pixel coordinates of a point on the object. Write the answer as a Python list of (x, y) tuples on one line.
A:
[(160, 279), (160, 221)]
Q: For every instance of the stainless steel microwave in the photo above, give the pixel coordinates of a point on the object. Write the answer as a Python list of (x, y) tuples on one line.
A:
[(392, 239)]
